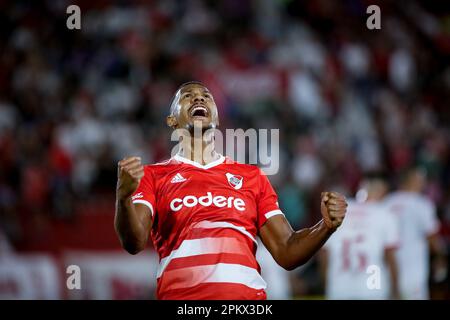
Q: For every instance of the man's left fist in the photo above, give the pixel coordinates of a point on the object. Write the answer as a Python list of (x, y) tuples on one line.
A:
[(333, 208)]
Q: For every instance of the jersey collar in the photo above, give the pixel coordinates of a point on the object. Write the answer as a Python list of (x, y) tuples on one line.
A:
[(198, 165)]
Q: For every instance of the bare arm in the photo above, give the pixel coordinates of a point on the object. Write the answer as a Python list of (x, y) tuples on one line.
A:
[(391, 262), (323, 266), (439, 254), (132, 222), (290, 248)]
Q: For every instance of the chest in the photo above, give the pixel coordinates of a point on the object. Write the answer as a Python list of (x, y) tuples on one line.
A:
[(190, 195)]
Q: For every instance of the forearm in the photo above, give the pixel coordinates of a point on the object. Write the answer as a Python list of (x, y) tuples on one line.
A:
[(303, 244), (395, 292), (393, 272), (439, 257), (290, 248), (323, 266), (130, 229), (437, 246)]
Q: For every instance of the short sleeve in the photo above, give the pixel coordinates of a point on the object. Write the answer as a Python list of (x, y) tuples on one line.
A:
[(428, 218), (145, 192), (267, 203)]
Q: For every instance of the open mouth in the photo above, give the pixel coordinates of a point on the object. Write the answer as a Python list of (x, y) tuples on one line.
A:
[(198, 110)]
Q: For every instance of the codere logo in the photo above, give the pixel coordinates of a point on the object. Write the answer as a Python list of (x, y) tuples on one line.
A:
[(219, 201)]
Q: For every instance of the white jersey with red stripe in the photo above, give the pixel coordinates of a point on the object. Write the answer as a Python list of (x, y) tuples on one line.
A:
[(205, 223), (356, 253), (418, 220)]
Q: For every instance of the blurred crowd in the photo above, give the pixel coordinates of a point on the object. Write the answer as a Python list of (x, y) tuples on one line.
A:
[(346, 99)]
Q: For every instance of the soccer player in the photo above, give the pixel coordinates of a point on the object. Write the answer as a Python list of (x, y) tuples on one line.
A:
[(358, 261), (204, 212), (419, 233)]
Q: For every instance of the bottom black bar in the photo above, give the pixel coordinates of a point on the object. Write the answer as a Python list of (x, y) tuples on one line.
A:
[(271, 309)]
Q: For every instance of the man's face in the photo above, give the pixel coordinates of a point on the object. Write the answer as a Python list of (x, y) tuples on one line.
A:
[(194, 106), (418, 180)]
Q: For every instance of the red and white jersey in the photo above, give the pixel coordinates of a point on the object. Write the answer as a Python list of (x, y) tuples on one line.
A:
[(356, 253), (418, 219), (205, 223)]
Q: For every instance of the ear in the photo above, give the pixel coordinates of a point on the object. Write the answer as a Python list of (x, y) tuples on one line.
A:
[(171, 121), (217, 118)]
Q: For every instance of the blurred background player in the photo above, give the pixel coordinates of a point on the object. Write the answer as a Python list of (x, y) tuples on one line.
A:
[(419, 236), (369, 237)]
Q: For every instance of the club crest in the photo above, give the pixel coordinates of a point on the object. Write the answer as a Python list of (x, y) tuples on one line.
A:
[(234, 180)]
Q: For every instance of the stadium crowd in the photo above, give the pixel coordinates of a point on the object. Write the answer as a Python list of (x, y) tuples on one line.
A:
[(346, 99)]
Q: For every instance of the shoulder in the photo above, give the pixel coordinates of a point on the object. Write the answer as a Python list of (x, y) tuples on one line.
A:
[(354, 206), (427, 204), (391, 197), (398, 198), (352, 202), (417, 200), (161, 167), (384, 213), (248, 169)]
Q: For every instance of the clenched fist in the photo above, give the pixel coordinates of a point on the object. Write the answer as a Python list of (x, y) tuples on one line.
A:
[(333, 207), (129, 173)]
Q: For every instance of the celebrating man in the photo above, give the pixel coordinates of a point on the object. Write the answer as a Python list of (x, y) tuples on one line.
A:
[(204, 212)]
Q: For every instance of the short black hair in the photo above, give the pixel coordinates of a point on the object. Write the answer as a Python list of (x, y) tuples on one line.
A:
[(376, 175), (172, 106), (189, 83), (406, 173)]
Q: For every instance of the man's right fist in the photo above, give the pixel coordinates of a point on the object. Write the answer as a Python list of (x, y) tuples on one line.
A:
[(129, 173)]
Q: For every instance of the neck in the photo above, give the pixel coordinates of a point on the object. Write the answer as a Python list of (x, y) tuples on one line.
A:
[(199, 149), (409, 189)]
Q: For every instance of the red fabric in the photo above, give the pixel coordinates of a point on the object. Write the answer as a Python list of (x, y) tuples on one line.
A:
[(209, 291), (203, 218)]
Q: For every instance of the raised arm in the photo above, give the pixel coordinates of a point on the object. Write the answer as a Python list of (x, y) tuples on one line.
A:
[(290, 248), (132, 222)]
